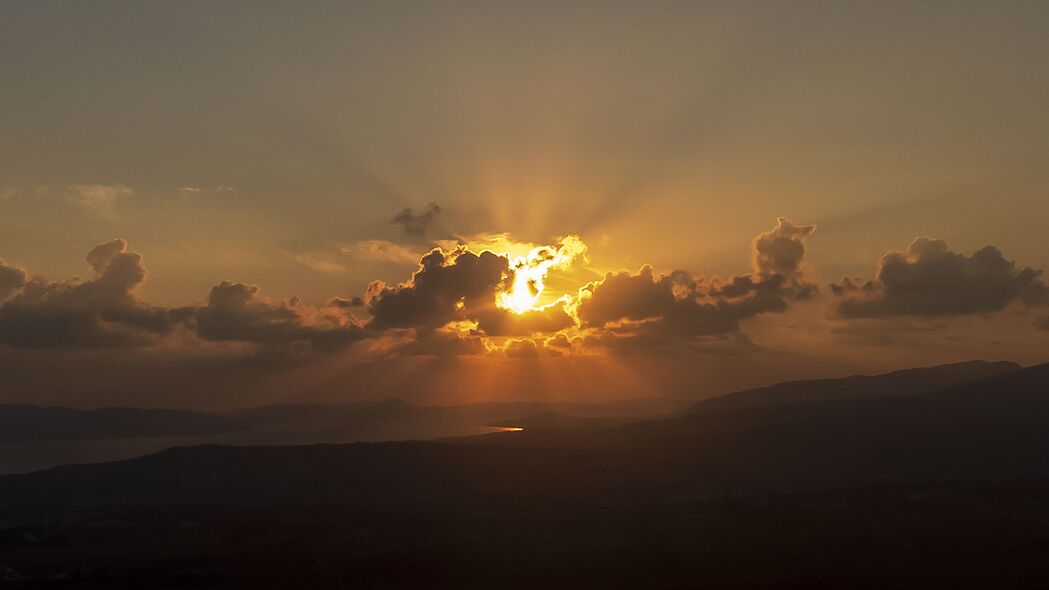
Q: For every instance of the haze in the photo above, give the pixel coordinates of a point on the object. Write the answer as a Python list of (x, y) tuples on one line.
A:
[(241, 175)]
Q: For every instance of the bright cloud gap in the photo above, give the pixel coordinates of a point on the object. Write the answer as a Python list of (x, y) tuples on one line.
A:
[(529, 274)]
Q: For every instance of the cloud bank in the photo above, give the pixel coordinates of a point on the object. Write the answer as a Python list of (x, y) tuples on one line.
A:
[(236, 312), (681, 306), (462, 301), (101, 312), (929, 279)]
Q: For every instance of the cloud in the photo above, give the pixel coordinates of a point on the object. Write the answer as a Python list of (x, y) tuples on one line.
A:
[(237, 312), (454, 304), (381, 251), (500, 243), (461, 285), (1042, 323), (779, 251), (189, 191), (11, 279), (524, 348), (98, 313), (681, 306), (448, 286), (559, 342), (97, 198), (444, 343), (104, 312), (318, 264), (417, 225), (929, 279), (345, 303), (496, 321)]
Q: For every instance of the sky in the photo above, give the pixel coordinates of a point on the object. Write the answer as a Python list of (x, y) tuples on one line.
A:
[(223, 204)]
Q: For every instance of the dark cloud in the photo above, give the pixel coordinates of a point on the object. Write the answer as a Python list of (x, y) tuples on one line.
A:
[(417, 225), (448, 286), (622, 296), (98, 313), (524, 348), (559, 342), (11, 279), (495, 321), (679, 305), (236, 312), (344, 303), (442, 343), (931, 280), (105, 313), (778, 252)]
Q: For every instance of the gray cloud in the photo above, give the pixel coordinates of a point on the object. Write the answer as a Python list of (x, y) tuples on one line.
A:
[(236, 312), (524, 348), (458, 285), (679, 305), (778, 252), (559, 342), (441, 343), (495, 321), (344, 303), (417, 225), (98, 199), (105, 313), (11, 279), (102, 312), (448, 286), (929, 279)]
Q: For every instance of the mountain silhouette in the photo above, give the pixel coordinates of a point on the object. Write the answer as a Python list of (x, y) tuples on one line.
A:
[(894, 384), (21, 423), (990, 429), (940, 489)]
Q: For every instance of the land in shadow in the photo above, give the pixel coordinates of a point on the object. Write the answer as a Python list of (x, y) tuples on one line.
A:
[(943, 487)]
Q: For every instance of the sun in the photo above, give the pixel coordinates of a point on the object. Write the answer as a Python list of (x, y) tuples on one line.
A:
[(529, 273)]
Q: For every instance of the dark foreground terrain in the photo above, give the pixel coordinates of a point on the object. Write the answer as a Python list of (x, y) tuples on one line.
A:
[(946, 488), (935, 535)]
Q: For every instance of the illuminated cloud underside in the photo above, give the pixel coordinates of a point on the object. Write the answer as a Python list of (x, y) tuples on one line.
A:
[(468, 298)]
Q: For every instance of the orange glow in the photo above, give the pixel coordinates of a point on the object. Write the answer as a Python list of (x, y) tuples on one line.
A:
[(530, 273)]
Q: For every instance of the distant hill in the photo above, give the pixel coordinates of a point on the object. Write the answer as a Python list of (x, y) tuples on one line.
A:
[(560, 421), (21, 423), (991, 429), (482, 413), (388, 409), (895, 384)]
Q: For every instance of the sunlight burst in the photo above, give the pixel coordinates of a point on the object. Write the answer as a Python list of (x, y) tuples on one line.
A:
[(530, 273)]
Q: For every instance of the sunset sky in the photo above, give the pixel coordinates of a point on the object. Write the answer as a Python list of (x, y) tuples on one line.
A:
[(224, 204)]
